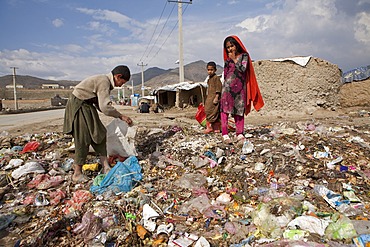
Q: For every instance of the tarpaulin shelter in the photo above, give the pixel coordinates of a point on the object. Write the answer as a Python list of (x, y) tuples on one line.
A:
[(181, 94), (357, 74)]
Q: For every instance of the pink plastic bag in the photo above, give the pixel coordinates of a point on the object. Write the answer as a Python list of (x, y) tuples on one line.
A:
[(80, 197), (44, 181), (56, 197)]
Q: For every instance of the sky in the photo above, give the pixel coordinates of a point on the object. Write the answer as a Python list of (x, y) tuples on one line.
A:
[(74, 39)]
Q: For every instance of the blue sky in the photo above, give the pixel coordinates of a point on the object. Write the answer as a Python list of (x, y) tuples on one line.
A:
[(72, 39)]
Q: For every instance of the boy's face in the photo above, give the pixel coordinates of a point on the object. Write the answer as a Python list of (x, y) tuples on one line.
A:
[(118, 80), (211, 70)]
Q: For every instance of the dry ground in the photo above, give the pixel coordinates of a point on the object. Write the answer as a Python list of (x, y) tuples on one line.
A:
[(174, 116)]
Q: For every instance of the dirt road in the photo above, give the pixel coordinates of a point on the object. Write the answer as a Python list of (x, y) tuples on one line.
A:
[(52, 121)]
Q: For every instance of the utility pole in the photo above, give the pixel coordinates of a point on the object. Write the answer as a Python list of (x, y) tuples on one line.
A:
[(123, 93), (181, 49), (181, 52), (15, 89), (142, 77)]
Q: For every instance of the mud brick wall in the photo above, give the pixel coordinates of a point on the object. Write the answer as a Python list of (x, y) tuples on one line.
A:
[(287, 86), (355, 94)]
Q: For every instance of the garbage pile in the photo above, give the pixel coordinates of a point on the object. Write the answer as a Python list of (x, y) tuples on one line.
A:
[(286, 184)]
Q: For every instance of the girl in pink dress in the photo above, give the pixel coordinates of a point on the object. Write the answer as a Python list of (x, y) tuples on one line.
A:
[(240, 87)]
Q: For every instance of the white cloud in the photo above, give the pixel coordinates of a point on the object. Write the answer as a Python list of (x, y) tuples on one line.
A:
[(294, 27), (58, 22), (256, 24), (232, 2), (123, 21), (99, 27), (361, 2), (283, 28), (362, 27)]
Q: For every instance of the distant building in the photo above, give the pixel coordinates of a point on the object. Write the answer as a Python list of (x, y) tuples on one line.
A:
[(50, 86), (12, 86)]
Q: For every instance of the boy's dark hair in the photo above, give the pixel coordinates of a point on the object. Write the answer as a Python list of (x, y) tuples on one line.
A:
[(123, 70), (213, 64)]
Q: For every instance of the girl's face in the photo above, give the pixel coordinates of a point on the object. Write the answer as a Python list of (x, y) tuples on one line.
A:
[(230, 48)]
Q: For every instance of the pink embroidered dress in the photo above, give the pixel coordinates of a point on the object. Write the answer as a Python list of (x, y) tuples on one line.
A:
[(233, 97)]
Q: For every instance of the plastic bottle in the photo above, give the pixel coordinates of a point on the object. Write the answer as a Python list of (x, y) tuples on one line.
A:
[(67, 165), (248, 147)]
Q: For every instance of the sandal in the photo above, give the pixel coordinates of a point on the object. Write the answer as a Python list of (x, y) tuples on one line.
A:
[(226, 139)]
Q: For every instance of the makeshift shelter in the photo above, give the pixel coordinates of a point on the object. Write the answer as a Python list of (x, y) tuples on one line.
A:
[(357, 74), (181, 94), (148, 99)]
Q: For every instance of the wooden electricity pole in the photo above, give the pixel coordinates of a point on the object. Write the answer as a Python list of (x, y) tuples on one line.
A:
[(15, 89)]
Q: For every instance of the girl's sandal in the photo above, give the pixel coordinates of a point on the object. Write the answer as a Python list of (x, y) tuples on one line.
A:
[(226, 139)]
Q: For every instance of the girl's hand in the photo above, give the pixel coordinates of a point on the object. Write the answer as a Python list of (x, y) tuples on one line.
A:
[(232, 55), (215, 101)]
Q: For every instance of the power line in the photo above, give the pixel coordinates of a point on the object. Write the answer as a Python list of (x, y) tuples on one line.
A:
[(160, 32), (160, 48), (155, 29)]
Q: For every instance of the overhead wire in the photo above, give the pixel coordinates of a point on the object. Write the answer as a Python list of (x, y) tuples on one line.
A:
[(159, 35), (155, 29), (167, 36)]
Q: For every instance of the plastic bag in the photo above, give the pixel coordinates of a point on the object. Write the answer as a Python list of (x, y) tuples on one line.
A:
[(56, 196), (13, 163), (44, 181), (341, 229), (30, 147), (200, 116), (121, 178), (89, 228), (120, 139), (29, 167), (309, 223), (6, 219), (79, 198)]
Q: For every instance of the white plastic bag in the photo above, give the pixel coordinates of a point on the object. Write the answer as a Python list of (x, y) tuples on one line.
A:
[(120, 139)]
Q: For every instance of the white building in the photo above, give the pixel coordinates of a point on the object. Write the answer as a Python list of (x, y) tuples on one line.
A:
[(50, 86), (12, 86)]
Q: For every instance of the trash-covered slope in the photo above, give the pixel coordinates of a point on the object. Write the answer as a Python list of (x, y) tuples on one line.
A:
[(289, 184)]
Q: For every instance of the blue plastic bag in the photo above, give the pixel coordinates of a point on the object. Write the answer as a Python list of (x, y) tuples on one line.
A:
[(121, 178)]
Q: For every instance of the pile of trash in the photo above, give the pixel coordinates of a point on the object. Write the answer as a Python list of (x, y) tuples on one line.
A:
[(286, 184)]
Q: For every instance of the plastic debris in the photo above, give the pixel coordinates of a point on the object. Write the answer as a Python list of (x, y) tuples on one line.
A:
[(121, 178)]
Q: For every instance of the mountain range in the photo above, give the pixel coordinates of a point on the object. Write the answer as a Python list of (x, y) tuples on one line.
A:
[(153, 77)]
